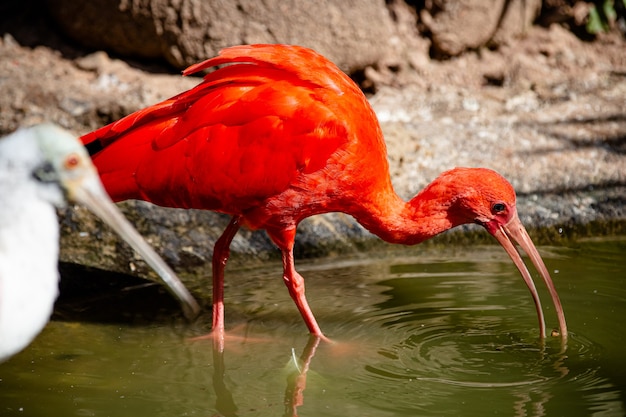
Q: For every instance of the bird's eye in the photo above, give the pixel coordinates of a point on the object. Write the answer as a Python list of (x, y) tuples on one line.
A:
[(45, 173), (72, 161), (498, 208)]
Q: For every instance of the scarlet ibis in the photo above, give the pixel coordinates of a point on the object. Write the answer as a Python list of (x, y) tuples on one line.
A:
[(280, 134), (39, 166)]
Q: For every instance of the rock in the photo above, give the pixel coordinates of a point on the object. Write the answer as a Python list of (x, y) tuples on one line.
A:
[(459, 25), (353, 34)]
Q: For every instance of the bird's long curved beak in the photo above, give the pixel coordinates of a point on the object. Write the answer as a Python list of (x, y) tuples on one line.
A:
[(514, 231), (89, 191)]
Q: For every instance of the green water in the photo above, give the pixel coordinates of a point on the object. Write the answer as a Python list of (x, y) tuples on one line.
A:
[(419, 332)]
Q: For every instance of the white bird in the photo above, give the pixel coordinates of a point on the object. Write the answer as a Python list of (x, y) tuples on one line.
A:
[(41, 167)]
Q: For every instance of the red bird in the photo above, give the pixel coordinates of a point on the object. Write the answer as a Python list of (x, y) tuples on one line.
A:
[(282, 134)]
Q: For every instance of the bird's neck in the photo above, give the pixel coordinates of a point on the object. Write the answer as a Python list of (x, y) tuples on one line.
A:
[(397, 221)]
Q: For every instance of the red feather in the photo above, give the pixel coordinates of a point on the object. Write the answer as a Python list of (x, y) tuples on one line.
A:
[(248, 132)]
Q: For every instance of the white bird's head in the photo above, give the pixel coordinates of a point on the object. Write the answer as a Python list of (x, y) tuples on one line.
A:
[(60, 165), (65, 163)]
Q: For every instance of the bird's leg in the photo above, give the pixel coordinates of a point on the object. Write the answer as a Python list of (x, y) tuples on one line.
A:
[(221, 252), (295, 285), (294, 281)]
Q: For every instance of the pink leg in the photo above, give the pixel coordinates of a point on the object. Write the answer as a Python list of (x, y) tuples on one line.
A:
[(295, 285), (284, 239), (221, 252)]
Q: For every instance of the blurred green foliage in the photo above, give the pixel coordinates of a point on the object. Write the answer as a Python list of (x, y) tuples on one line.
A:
[(603, 15)]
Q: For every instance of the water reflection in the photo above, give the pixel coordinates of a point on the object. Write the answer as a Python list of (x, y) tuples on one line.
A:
[(224, 402), (295, 384)]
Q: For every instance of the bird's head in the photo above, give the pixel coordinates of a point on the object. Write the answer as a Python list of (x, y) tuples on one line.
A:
[(482, 196), (477, 195), (57, 160), (65, 162)]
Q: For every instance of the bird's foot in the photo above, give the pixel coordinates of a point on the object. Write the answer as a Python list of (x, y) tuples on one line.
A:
[(238, 334), (323, 338)]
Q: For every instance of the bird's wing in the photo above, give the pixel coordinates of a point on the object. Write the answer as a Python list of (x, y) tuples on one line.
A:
[(242, 135)]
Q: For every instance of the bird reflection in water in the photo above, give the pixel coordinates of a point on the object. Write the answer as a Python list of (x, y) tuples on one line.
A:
[(296, 380)]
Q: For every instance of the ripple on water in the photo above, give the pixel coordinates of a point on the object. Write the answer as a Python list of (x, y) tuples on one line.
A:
[(439, 364)]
